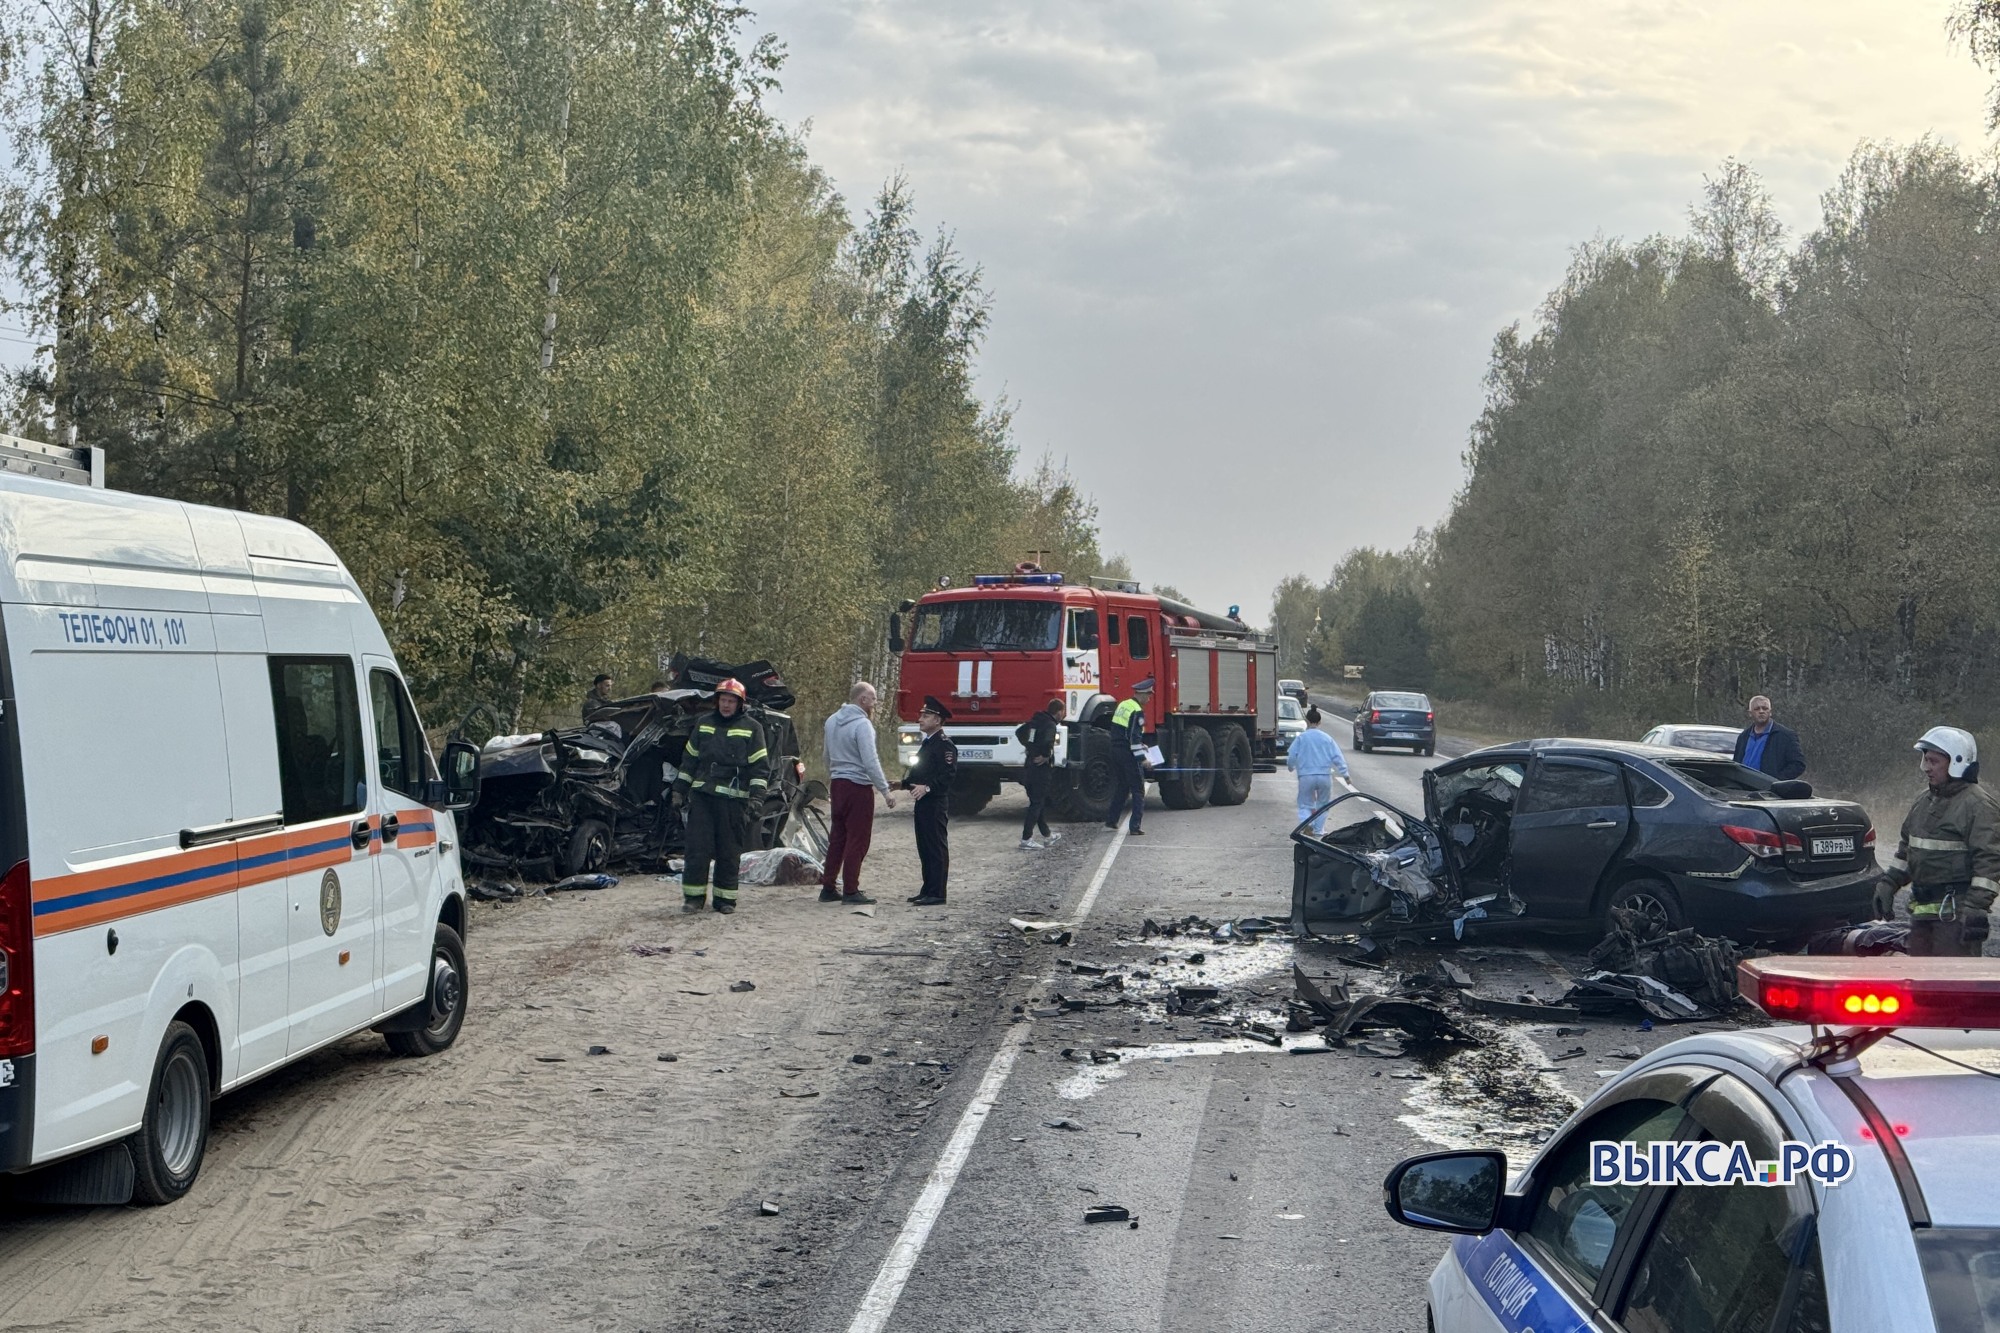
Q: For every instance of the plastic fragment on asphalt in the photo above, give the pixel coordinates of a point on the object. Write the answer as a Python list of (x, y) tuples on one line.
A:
[(1623, 1053), (739, 987), (862, 1059), (1107, 1212), (599, 1050), (767, 1209), (551, 1059), (667, 1058), (1064, 1123)]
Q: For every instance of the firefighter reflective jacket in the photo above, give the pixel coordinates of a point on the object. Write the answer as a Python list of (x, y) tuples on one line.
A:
[(1950, 844), (725, 756)]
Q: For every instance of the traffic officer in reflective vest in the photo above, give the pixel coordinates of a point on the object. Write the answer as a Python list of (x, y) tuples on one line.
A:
[(930, 780), (1949, 854), (723, 775), (1128, 751)]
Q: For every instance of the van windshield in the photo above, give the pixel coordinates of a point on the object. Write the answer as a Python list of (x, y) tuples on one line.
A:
[(987, 625)]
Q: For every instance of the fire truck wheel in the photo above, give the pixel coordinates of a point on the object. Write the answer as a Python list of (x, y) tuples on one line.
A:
[(1234, 764), (167, 1150), (1188, 788), (1087, 797), (970, 795)]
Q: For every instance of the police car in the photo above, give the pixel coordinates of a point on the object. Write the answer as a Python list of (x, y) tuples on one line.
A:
[(1892, 1094)]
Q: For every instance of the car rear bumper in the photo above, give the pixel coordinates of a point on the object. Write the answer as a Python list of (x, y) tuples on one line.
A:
[(1411, 736), (1775, 906)]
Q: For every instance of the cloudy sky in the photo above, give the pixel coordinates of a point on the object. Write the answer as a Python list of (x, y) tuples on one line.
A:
[(1248, 259)]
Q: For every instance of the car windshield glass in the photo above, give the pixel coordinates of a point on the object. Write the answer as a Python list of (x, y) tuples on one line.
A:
[(1416, 701), (1289, 710), (987, 625), (1717, 740), (1722, 779), (1962, 1275)]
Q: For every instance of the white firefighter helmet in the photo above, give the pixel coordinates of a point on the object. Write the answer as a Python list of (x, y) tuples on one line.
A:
[(1955, 745)]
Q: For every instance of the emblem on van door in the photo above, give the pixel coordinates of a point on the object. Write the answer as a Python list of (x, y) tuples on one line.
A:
[(329, 902)]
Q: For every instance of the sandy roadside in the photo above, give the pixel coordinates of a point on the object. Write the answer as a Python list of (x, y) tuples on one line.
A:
[(518, 1182)]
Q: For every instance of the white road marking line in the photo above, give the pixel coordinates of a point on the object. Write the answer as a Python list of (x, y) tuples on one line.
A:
[(901, 1261)]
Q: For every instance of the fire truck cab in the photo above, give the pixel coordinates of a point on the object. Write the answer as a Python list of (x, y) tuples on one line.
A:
[(1003, 648)]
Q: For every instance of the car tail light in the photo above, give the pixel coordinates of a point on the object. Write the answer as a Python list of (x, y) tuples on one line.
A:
[(1868, 838), (17, 963), (1875, 992), (1430, 717), (1374, 715), (1763, 843)]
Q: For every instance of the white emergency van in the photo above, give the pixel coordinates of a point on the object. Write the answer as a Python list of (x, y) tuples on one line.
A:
[(224, 840)]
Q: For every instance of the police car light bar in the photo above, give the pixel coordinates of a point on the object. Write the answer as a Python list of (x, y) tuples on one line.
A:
[(1890, 991)]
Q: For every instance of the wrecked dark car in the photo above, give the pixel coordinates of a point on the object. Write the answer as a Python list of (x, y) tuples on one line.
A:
[(581, 799), (1561, 833)]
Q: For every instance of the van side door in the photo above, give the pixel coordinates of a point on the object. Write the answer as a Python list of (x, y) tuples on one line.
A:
[(330, 838), (406, 864)]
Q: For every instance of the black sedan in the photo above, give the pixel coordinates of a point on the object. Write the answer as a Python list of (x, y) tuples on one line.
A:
[(1561, 832), (1393, 717)]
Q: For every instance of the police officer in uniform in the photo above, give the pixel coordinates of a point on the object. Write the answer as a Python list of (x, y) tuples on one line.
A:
[(1128, 751), (723, 770), (1949, 854), (929, 779)]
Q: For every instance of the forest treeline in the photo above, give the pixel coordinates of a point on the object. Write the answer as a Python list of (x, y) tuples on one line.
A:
[(531, 308), (1722, 463)]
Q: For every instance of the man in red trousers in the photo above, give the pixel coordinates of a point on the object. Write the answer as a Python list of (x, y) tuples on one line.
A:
[(856, 770)]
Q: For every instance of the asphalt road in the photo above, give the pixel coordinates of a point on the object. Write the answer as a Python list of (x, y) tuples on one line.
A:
[(1255, 1174)]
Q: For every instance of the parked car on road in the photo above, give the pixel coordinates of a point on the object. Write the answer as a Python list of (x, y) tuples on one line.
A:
[(1389, 717), (1295, 689), (1694, 736), (1291, 722), (1564, 831)]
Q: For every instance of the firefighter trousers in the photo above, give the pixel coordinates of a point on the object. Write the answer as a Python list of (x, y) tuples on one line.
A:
[(1947, 926), (934, 842), (714, 843)]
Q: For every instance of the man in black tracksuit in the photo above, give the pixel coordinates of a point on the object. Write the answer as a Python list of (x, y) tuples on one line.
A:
[(930, 779), (1038, 736), (724, 769)]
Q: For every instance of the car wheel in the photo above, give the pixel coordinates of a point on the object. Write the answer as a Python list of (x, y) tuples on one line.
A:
[(167, 1150), (450, 987), (1652, 899), (589, 848)]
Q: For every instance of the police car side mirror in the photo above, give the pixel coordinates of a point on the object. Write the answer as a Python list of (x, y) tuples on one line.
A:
[(1448, 1191), (459, 788)]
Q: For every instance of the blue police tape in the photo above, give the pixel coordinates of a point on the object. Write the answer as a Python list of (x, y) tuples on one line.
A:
[(1688, 1162)]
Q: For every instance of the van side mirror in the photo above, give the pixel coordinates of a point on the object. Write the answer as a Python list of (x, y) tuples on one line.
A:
[(906, 606), (895, 633), (1448, 1191), (459, 788)]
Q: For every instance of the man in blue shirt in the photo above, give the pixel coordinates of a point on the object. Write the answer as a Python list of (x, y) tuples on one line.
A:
[(1769, 747), (1314, 756)]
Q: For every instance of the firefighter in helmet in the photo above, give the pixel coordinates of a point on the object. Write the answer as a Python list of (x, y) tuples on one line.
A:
[(1949, 854), (723, 773)]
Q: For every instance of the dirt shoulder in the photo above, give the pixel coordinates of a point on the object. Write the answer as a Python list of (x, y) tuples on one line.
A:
[(519, 1182)]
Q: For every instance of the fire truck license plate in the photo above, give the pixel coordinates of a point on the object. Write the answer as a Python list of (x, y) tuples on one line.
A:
[(975, 754), (1833, 847)]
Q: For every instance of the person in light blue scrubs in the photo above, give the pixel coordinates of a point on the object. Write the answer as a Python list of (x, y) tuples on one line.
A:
[(1315, 756)]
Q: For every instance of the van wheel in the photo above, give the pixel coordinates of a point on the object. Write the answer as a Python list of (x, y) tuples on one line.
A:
[(167, 1150), (1653, 899), (589, 848), (450, 988)]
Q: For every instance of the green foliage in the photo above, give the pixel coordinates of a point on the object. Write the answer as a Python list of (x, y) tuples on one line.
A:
[(530, 308)]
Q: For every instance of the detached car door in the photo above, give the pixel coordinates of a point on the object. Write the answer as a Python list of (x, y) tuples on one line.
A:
[(1568, 825)]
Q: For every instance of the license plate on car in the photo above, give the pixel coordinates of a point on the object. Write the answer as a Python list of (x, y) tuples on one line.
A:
[(1401, 735), (975, 754), (1833, 846)]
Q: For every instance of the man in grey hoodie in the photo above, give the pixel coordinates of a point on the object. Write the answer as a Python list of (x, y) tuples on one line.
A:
[(856, 770)]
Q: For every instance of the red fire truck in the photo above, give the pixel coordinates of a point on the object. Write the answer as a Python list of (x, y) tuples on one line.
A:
[(1002, 648)]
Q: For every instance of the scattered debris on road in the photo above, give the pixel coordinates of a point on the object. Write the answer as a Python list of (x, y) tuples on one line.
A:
[(1107, 1212)]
